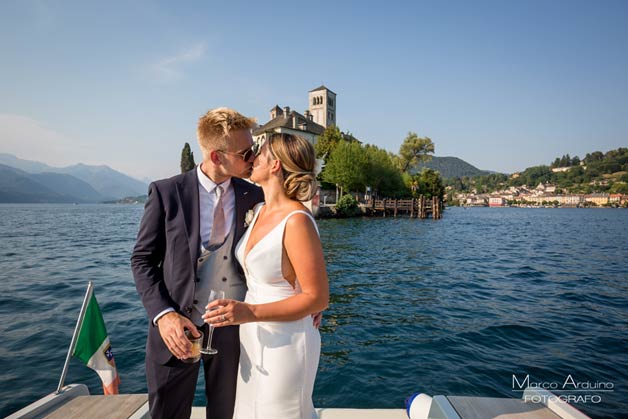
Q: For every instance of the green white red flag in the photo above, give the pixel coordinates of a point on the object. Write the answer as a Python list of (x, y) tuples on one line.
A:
[(93, 347)]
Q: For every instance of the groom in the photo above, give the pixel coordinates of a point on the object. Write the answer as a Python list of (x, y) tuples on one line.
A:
[(185, 247)]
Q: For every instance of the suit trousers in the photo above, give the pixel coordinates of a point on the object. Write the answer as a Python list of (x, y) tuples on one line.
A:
[(171, 387)]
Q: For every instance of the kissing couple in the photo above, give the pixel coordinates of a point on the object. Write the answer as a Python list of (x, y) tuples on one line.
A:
[(195, 236)]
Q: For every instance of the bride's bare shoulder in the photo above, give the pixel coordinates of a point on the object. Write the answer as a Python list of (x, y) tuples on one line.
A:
[(300, 219)]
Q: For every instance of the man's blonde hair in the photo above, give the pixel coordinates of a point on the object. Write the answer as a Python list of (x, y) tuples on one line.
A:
[(214, 128)]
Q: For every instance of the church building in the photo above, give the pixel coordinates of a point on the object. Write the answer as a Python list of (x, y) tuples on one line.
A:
[(309, 125)]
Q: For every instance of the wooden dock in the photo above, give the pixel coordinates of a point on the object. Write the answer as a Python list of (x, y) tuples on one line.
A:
[(420, 207)]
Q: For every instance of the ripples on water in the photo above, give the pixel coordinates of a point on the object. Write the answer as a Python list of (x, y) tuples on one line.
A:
[(455, 306)]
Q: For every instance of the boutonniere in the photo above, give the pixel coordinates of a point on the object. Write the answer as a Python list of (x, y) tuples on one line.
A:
[(248, 217)]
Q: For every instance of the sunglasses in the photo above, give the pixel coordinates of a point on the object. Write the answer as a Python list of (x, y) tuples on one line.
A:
[(257, 147), (244, 155)]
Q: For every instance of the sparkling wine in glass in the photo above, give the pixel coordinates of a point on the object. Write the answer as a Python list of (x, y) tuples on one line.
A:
[(208, 350)]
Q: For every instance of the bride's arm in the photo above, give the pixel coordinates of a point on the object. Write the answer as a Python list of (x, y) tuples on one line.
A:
[(305, 253)]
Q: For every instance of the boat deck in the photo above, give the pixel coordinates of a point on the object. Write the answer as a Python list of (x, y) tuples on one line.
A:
[(492, 407), (74, 402), (199, 413), (124, 406)]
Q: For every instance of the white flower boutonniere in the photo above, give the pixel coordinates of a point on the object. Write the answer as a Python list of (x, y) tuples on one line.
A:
[(248, 217)]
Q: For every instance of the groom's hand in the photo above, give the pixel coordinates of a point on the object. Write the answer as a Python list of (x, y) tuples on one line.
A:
[(317, 319), (172, 330)]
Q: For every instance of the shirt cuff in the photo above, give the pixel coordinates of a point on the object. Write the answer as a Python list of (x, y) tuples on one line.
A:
[(160, 315)]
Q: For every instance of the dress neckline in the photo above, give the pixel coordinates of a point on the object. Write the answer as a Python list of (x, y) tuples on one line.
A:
[(252, 226), (248, 233)]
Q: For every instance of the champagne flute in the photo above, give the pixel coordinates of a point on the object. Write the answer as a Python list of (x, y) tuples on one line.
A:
[(208, 350)]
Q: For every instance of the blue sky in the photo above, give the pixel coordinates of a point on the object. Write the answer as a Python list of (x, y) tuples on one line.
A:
[(503, 85)]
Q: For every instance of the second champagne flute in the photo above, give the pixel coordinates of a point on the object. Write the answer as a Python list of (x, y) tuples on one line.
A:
[(208, 350)]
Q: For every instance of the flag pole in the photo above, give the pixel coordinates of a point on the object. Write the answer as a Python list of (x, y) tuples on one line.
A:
[(88, 295)]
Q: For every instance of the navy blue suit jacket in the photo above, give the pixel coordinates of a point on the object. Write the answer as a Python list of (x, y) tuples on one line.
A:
[(168, 245)]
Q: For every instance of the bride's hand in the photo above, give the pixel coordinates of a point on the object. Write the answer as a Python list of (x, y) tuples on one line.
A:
[(228, 313)]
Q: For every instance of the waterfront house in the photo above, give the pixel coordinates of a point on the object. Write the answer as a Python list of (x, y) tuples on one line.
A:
[(597, 198), (534, 199), (617, 198), (545, 188), (290, 122), (476, 201), (570, 200), (496, 201)]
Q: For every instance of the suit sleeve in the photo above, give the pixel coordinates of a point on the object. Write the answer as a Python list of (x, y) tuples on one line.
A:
[(148, 256)]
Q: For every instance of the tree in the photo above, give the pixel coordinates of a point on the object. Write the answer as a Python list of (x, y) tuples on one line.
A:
[(346, 166), (328, 141), (381, 174), (619, 187), (415, 149), (428, 183), (592, 157), (565, 161), (187, 159), (534, 175)]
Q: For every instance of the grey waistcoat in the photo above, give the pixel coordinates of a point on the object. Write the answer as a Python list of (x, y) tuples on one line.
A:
[(216, 270)]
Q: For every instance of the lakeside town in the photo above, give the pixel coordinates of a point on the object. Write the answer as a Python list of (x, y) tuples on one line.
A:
[(545, 194), (598, 180)]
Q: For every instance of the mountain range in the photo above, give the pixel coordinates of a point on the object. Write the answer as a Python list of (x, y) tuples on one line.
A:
[(450, 167), (27, 181)]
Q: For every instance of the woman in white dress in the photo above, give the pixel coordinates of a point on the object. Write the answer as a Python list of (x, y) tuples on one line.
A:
[(282, 258)]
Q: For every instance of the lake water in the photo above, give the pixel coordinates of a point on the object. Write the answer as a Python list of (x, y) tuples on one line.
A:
[(455, 306)]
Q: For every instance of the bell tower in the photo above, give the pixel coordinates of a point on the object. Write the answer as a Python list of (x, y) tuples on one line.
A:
[(322, 106)]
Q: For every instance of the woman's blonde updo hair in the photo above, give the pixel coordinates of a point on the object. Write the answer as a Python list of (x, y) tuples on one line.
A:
[(298, 159)]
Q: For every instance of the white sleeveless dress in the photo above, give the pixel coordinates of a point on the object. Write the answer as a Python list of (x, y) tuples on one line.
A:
[(278, 360)]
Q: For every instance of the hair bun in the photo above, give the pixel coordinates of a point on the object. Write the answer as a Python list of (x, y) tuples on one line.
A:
[(300, 186), (298, 161)]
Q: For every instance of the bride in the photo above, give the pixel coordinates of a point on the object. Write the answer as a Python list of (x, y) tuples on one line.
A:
[(283, 262)]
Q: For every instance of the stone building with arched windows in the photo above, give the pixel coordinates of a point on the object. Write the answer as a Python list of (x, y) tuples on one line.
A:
[(322, 106)]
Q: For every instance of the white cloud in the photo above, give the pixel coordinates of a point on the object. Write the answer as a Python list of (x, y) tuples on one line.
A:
[(169, 68), (30, 139)]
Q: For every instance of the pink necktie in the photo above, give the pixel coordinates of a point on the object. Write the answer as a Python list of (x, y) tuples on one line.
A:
[(218, 233)]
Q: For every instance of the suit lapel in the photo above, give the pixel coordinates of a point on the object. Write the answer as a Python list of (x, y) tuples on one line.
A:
[(240, 207), (188, 196)]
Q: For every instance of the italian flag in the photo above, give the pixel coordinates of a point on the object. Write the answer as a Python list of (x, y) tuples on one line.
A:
[(93, 347)]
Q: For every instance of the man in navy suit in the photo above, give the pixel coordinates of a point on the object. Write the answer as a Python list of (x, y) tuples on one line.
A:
[(185, 246)]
